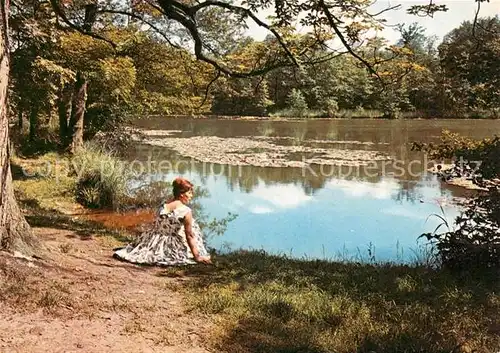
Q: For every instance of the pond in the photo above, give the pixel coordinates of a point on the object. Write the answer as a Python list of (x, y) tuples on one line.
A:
[(327, 189)]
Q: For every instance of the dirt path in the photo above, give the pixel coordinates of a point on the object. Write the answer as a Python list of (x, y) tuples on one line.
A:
[(80, 299)]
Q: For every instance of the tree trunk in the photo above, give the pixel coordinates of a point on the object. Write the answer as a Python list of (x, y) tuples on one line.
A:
[(15, 233), (77, 114), (20, 119), (80, 92), (64, 111), (33, 123)]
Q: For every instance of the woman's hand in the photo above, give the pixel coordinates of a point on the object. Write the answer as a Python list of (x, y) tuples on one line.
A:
[(203, 259)]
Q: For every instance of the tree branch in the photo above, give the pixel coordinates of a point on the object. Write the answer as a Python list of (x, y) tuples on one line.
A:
[(187, 21), (142, 19), (247, 13), (390, 8), (176, 4), (217, 75), (475, 18), (330, 17), (327, 57), (59, 12), (156, 7), (185, 16)]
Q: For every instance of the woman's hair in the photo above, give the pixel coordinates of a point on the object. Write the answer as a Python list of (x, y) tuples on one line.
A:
[(180, 186)]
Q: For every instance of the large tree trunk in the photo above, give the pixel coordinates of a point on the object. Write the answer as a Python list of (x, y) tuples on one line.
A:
[(77, 114), (64, 112), (15, 233)]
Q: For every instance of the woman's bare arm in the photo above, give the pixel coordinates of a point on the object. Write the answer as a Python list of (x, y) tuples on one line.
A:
[(188, 230)]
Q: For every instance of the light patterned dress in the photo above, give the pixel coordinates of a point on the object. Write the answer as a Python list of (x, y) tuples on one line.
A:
[(165, 242)]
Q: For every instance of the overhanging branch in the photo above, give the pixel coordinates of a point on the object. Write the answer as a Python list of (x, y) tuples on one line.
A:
[(143, 20), (187, 20), (59, 12), (248, 13), (331, 21), (185, 16), (207, 89)]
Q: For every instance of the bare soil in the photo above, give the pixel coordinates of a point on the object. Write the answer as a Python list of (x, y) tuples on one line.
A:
[(77, 298)]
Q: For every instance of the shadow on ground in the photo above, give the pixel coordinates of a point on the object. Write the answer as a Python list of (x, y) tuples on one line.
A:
[(274, 304)]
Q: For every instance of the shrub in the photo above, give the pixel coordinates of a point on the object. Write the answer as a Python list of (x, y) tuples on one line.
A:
[(118, 143), (474, 244), (150, 195), (101, 178), (331, 107)]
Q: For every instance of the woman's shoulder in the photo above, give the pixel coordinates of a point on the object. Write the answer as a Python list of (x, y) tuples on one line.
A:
[(176, 208), (182, 210)]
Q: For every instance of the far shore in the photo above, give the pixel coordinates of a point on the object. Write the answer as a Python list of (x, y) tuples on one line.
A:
[(284, 118)]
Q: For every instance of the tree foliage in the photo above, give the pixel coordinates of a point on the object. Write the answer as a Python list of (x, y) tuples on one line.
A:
[(143, 76), (470, 57), (413, 76)]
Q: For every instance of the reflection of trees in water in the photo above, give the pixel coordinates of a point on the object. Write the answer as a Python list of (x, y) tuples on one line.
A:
[(332, 132), (311, 179), (299, 133), (396, 133), (391, 137), (407, 192), (247, 178), (266, 129)]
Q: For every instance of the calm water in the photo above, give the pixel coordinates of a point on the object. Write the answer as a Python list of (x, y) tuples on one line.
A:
[(322, 212)]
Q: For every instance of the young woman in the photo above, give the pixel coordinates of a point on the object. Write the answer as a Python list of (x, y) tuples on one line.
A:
[(175, 238)]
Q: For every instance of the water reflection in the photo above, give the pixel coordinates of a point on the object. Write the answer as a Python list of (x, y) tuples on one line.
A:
[(346, 217), (321, 211), (282, 210), (393, 132), (311, 179)]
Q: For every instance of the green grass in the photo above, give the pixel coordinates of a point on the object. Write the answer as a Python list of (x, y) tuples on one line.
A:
[(47, 197), (378, 114), (340, 114), (94, 177), (294, 113), (45, 179), (264, 303)]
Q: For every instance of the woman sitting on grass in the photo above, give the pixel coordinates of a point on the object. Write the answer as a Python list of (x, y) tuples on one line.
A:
[(174, 239)]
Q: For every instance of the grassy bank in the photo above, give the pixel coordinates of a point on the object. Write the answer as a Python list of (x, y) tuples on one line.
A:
[(263, 303), (47, 188), (44, 181)]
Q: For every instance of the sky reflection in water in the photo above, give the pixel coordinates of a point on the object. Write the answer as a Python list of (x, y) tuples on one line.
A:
[(341, 220), (284, 212)]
